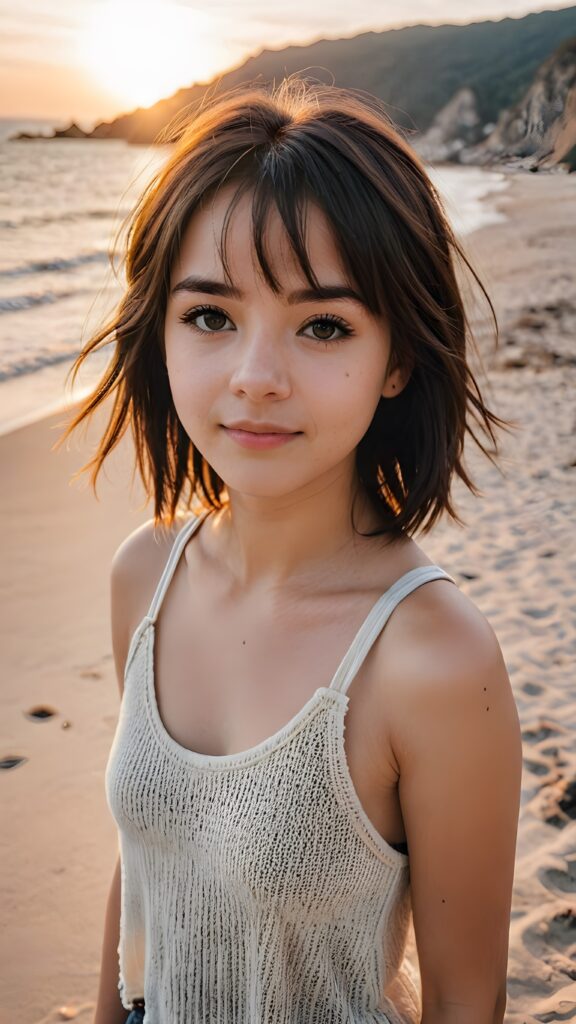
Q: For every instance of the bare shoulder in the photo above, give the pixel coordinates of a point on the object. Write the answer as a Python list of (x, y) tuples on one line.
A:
[(135, 570), (442, 663), (140, 558)]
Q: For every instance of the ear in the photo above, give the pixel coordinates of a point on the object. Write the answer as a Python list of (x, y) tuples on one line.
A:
[(396, 381)]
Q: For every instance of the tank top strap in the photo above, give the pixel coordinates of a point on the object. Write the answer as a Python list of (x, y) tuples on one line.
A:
[(377, 618), (182, 538)]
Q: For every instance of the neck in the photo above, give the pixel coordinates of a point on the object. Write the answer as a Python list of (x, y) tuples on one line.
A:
[(273, 541)]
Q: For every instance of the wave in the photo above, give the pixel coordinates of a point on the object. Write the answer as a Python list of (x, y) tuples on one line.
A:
[(17, 303), (31, 364), (43, 266), (39, 220)]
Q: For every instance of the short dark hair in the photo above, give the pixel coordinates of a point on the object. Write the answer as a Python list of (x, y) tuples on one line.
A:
[(339, 149)]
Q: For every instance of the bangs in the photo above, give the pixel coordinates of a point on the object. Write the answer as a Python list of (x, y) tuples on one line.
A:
[(278, 185)]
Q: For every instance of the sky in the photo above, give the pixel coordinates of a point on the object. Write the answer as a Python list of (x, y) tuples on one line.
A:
[(89, 60)]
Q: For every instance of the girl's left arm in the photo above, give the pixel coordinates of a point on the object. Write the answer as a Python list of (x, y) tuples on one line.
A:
[(458, 745)]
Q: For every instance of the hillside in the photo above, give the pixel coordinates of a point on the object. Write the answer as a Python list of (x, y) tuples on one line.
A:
[(481, 69), (536, 133)]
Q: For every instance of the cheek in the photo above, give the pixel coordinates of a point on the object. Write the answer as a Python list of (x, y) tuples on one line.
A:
[(345, 403), (176, 347), (192, 401), (189, 382)]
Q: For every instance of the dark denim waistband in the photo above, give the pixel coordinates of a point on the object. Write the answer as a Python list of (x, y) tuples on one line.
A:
[(136, 1015)]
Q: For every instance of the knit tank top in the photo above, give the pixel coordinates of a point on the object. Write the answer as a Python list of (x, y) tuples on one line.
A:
[(254, 887)]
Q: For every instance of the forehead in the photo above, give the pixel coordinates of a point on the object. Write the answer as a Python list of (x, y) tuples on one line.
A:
[(203, 240)]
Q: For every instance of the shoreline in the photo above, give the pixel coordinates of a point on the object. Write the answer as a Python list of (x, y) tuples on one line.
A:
[(513, 560)]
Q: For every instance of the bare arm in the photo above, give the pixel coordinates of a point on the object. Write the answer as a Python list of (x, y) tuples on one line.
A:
[(109, 1009), (135, 570), (458, 744)]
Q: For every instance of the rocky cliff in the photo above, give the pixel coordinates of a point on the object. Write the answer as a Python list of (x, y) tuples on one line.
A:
[(538, 132)]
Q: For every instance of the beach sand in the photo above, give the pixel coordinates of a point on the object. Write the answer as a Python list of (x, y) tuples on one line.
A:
[(516, 560)]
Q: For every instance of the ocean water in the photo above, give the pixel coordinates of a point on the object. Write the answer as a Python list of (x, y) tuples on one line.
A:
[(62, 204)]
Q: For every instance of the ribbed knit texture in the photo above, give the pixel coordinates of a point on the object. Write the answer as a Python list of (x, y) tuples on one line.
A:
[(255, 889)]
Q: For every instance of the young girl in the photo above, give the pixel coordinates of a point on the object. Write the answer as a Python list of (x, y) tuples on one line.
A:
[(317, 739)]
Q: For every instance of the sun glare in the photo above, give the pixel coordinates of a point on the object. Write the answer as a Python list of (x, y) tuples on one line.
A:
[(144, 50)]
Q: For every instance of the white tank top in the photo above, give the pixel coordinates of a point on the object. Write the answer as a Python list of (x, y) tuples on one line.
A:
[(254, 887)]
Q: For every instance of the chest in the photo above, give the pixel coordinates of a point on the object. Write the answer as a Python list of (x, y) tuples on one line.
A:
[(225, 682)]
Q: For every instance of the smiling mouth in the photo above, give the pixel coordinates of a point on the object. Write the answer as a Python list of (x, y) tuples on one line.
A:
[(262, 433), (260, 440)]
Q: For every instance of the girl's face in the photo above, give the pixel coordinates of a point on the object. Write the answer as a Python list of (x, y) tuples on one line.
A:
[(310, 365)]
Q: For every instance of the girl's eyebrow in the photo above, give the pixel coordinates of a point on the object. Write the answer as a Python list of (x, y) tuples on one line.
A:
[(323, 294)]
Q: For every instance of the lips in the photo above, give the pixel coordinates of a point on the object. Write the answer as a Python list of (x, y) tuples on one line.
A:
[(259, 428), (258, 440), (265, 433)]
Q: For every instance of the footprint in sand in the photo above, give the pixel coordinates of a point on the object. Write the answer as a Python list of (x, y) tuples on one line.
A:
[(532, 689), (557, 880), (557, 802), (537, 767), (40, 713), (541, 731), (553, 935), (11, 761), (539, 613), (564, 1011), (553, 752)]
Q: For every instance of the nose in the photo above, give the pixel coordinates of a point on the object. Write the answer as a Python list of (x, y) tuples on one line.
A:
[(260, 368)]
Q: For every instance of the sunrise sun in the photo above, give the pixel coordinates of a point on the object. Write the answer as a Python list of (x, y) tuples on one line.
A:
[(144, 50)]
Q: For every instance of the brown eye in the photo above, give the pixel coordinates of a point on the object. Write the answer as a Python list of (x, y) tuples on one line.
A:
[(324, 331), (324, 327), (214, 319)]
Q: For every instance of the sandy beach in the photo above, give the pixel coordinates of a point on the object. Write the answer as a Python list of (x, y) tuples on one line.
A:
[(516, 560)]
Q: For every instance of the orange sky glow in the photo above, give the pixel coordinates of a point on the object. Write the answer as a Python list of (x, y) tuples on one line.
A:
[(89, 60)]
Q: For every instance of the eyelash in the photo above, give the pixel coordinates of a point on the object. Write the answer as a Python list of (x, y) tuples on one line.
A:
[(191, 316)]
